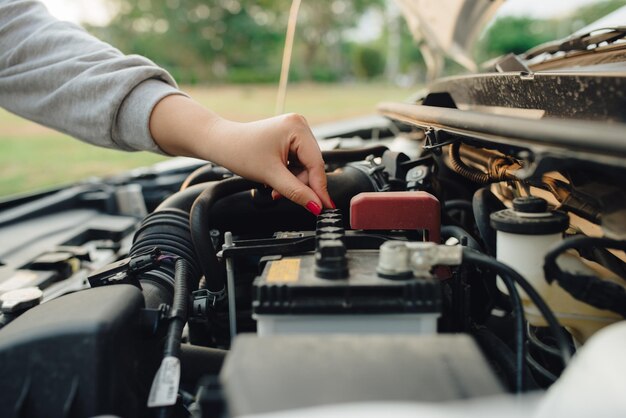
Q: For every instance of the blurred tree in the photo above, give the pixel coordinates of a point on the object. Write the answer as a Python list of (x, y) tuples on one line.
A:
[(198, 40), (242, 40), (321, 28), (518, 34), (591, 13), (585, 15), (234, 40), (369, 62)]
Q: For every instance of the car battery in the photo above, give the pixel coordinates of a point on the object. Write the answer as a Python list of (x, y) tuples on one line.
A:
[(337, 291)]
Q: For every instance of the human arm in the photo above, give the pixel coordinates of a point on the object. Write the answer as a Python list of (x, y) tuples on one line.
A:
[(256, 150), (56, 74)]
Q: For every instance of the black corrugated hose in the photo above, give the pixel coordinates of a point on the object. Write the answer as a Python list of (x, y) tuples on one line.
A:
[(178, 311), (596, 292), (178, 317)]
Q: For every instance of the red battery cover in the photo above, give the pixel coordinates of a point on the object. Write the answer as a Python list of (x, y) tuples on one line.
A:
[(397, 210)]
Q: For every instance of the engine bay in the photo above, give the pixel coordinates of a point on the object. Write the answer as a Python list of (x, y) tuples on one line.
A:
[(470, 255)]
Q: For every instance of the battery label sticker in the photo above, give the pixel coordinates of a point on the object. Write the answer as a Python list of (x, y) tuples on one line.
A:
[(282, 271)]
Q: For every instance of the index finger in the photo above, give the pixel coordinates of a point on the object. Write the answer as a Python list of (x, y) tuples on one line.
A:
[(309, 155)]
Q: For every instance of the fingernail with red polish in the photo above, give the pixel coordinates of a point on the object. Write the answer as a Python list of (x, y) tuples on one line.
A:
[(314, 208), (332, 204)]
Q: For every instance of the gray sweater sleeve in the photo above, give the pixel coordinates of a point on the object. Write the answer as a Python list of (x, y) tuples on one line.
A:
[(56, 74)]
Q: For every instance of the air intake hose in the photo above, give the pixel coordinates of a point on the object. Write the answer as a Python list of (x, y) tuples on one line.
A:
[(168, 230)]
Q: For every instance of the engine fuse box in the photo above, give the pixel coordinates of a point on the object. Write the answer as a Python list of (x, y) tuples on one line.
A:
[(340, 291)]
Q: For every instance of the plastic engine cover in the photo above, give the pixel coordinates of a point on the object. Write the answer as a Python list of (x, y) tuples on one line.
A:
[(275, 373), (75, 356)]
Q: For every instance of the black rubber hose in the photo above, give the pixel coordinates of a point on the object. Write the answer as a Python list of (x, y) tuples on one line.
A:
[(484, 203), (356, 154), (507, 272), (342, 186), (463, 169), (246, 212), (155, 293), (458, 204), (208, 172), (197, 361), (182, 200), (200, 225), (482, 260)]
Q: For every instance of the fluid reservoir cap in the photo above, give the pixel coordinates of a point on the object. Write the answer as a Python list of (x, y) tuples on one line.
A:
[(530, 204), (20, 299), (529, 216)]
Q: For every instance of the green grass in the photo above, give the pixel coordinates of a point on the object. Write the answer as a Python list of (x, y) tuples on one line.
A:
[(33, 157)]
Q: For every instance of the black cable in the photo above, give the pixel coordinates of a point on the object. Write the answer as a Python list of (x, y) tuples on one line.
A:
[(539, 369), (537, 343), (589, 289), (178, 311), (504, 270), (501, 357), (481, 260), (178, 317)]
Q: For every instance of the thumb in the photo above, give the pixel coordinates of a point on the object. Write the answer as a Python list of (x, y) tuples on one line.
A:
[(289, 186)]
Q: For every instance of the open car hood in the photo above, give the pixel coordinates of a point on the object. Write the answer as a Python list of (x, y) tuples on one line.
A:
[(447, 28)]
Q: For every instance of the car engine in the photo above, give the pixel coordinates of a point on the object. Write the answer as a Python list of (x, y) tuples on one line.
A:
[(476, 246)]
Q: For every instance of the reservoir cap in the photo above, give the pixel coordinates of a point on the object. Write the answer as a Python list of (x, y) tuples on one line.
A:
[(529, 216)]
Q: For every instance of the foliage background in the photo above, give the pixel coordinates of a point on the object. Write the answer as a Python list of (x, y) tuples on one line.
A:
[(241, 41), (227, 54)]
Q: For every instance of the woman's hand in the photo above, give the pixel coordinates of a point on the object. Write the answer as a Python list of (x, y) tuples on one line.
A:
[(280, 151)]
